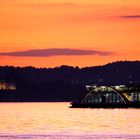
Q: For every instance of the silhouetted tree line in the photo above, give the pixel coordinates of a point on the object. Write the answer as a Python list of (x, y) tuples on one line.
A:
[(65, 83)]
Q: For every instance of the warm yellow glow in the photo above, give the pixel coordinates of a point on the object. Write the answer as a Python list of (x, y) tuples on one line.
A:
[(7, 86)]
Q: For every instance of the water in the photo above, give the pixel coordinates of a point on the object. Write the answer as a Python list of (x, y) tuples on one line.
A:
[(57, 121)]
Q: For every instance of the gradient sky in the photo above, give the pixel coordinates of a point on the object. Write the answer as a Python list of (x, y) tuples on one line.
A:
[(49, 33)]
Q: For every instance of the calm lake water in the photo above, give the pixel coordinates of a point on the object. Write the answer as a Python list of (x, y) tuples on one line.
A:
[(58, 121)]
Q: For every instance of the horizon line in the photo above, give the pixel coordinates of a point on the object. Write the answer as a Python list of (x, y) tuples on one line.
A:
[(29, 66)]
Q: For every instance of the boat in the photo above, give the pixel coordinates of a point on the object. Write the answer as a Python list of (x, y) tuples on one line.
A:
[(120, 96)]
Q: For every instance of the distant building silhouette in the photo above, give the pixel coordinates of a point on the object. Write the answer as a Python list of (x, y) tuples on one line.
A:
[(7, 86)]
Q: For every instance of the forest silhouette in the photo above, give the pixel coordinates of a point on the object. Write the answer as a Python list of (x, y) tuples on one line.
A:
[(64, 83)]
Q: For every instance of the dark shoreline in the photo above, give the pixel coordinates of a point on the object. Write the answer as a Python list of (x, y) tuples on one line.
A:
[(135, 105)]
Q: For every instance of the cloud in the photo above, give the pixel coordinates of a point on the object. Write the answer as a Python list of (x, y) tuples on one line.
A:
[(131, 16), (55, 52)]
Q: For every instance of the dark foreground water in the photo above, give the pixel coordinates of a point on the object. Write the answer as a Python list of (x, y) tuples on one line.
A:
[(58, 121)]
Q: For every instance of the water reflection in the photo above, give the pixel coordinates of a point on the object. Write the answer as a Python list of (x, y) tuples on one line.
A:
[(54, 118)]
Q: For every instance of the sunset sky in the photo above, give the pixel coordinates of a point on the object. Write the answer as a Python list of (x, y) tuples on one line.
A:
[(49, 33)]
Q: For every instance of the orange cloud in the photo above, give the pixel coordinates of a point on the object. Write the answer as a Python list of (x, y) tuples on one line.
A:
[(54, 52)]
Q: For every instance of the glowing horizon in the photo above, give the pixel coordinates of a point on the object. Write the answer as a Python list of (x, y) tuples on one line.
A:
[(92, 25)]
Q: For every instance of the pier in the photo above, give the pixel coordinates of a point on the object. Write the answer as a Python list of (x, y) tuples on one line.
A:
[(120, 96)]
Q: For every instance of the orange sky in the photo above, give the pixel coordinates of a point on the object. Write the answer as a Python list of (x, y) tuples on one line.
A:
[(111, 27)]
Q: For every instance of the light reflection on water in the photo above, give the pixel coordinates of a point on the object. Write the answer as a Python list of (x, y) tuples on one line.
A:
[(58, 121)]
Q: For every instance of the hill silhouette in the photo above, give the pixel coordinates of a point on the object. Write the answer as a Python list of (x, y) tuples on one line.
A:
[(64, 83)]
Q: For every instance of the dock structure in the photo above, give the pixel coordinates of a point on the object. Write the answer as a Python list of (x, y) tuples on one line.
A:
[(121, 96)]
